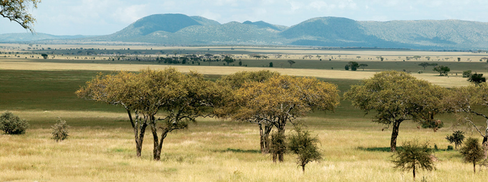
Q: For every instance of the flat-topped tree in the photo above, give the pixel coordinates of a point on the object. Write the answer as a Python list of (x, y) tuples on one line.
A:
[(282, 99), (396, 97), (236, 81), (183, 96)]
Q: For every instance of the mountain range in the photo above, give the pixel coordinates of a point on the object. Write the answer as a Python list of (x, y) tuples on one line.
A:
[(179, 29)]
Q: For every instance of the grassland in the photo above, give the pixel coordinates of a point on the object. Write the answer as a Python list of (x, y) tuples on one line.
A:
[(101, 146)]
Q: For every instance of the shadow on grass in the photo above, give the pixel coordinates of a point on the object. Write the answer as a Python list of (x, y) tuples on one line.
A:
[(377, 149), (239, 151), (387, 149)]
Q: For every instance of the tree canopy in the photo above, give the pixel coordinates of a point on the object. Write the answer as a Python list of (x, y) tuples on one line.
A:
[(17, 11), (281, 99), (396, 97), (443, 70), (470, 101), (182, 96)]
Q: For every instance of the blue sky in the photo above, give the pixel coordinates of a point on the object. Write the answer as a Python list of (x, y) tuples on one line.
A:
[(100, 17)]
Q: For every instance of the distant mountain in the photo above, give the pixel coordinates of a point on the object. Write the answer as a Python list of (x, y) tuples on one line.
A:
[(28, 37), (262, 24), (179, 29)]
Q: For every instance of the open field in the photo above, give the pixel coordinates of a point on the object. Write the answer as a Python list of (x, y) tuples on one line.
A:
[(101, 145)]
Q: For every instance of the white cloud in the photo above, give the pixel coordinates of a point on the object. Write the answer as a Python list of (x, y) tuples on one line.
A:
[(129, 14)]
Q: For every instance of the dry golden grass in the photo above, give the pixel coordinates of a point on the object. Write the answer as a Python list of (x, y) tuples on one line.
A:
[(213, 150)]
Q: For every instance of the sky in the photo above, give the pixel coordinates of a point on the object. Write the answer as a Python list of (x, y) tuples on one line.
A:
[(102, 17)]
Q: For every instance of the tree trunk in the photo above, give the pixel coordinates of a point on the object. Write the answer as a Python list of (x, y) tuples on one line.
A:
[(261, 138), (281, 152), (474, 166), (394, 135), (267, 131), (156, 149), (414, 173), (139, 137), (303, 168), (485, 146)]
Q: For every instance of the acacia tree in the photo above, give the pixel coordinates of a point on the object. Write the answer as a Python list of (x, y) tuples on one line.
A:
[(119, 89), (281, 99), (396, 97), (468, 102), (472, 152), (236, 81), (16, 10), (183, 96), (443, 70), (414, 156)]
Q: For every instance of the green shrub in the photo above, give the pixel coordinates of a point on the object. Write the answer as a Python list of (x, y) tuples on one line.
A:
[(305, 147), (60, 130), (449, 147), (278, 146), (414, 156), (12, 124)]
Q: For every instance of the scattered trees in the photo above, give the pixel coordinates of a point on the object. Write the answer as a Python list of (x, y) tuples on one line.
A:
[(414, 156), (472, 152), (12, 124), (16, 10), (397, 97), (468, 102), (443, 70), (182, 96)]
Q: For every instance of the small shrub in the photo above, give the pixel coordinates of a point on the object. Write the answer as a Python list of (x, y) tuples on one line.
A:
[(457, 138), (449, 147), (414, 156), (60, 130), (305, 147), (12, 124)]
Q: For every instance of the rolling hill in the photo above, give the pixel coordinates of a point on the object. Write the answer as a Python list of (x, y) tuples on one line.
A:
[(179, 29)]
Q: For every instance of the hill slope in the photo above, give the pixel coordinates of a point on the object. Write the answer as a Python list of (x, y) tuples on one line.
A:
[(179, 29)]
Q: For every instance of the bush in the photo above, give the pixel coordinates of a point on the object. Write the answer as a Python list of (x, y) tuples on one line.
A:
[(60, 130), (12, 124), (414, 156), (305, 147), (472, 152)]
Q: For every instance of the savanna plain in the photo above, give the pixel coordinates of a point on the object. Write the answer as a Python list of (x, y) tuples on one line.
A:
[(101, 144)]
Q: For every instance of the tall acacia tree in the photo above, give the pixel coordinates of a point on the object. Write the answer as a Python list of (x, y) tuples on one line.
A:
[(235, 81), (183, 96), (17, 11), (281, 99), (396, 97), (471, 101)]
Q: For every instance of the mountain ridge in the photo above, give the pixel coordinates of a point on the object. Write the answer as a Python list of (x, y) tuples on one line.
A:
[(180, 29)]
